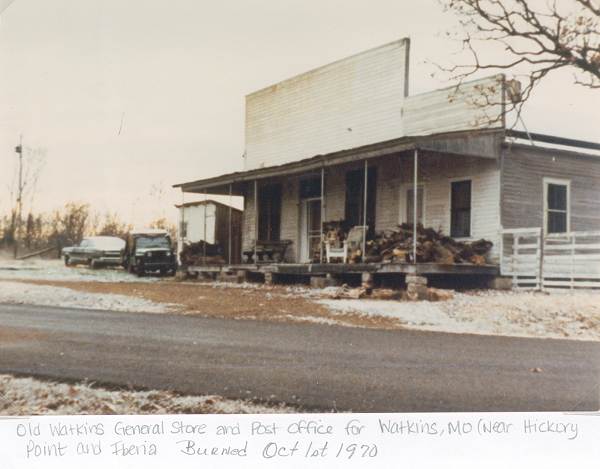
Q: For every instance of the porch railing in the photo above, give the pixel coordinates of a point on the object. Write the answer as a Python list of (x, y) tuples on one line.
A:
[(553, 261)]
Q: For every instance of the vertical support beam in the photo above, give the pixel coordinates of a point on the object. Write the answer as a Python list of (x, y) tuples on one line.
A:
[(415, 201), (322, 213), (230, 230), (541, 245), (515, 251), (255, 219), (204, 243), (182, 234), (365, 191), (573, 243)]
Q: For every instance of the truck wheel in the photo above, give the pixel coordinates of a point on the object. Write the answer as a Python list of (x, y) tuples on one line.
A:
[(141, 273), (67, 261), (93, 264)]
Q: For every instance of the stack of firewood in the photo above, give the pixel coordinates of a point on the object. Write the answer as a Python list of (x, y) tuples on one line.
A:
[(198, 254), (432, 246)]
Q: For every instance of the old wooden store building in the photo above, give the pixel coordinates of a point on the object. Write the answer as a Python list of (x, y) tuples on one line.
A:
[(342, 162)]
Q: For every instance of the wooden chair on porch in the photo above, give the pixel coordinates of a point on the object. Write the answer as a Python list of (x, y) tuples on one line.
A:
[(353, 241)]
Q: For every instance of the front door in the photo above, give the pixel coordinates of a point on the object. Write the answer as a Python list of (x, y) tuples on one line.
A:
[(310, 225), (269, 212)]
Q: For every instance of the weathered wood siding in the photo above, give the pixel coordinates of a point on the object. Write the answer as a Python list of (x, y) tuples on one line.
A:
[(357, 101), (194, 218), (473, 105), (346, 104), (523, 173), (248, 218), (435, 174), (217, 227), (394, 174)]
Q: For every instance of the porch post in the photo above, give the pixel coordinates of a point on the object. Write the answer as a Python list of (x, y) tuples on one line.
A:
[(229, 234), (322, 212), (255, 218), (364, 243), (204, 243), (415, 201), (181, 226)]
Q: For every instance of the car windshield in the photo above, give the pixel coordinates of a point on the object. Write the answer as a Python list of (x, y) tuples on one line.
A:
[(146, 242)]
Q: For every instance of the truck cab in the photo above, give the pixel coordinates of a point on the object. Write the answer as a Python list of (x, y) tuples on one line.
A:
[(148, 251)]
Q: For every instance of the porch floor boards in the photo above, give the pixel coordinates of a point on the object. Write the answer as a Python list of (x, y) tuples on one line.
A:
[(374, 268)]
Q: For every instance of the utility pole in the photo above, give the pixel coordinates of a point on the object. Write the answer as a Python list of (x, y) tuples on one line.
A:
[(17, 232)]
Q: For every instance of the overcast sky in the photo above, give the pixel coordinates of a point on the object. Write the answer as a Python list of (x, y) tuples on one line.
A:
[(127, 97)]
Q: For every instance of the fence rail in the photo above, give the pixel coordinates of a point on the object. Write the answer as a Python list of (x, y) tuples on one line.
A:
[(554, 261)]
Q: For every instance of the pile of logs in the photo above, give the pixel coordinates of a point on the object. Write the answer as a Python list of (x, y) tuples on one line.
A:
[(198, 254), (432, 246)]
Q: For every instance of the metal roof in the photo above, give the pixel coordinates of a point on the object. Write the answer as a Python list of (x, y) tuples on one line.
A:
[(484, 143)]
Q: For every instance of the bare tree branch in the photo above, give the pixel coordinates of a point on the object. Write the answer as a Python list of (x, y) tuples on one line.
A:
[(537, 37)]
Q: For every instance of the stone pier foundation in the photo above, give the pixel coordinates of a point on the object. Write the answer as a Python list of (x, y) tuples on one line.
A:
[(416, 287)]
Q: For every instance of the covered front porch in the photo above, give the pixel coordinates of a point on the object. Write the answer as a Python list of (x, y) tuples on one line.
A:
[(444, 182), (338, 269)]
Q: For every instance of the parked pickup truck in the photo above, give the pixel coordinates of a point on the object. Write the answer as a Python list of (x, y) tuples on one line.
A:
[(149, 251), (95, 251)]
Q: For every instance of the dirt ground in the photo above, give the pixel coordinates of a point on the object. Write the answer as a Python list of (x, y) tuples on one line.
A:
[(568, 314), (248, 301)]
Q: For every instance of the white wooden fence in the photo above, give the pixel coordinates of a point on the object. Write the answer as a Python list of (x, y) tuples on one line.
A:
[(555, 261)]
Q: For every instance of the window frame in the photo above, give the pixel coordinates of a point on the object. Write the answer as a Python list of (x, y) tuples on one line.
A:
[(556, 182), (403, 201), (450, 182)]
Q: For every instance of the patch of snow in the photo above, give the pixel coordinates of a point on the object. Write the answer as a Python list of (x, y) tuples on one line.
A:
[(243, 285), (28, 396), (314, 319), (54, 269), (411, 313), (224, 285), (43, 295), (305, 292), (525, 314)]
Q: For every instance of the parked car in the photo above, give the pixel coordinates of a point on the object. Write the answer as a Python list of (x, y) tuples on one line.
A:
[(149, 251), (95, 251)]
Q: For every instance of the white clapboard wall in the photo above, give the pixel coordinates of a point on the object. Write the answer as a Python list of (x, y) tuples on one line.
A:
[(475, 104), (557, 261), (357, 101), (348, 103)]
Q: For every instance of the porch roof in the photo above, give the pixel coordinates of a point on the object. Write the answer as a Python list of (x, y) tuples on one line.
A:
[(479, 143)]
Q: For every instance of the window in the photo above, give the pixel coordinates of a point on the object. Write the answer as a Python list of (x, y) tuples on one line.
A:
[(183, 225), (556, 205), (410, 200), (460, 209)]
